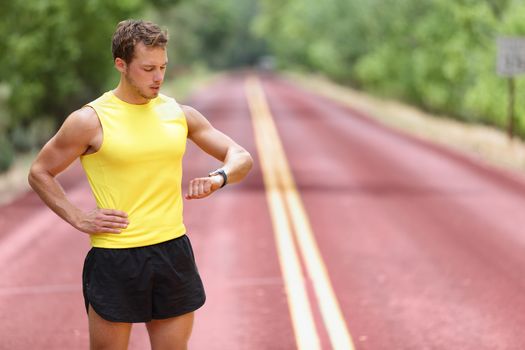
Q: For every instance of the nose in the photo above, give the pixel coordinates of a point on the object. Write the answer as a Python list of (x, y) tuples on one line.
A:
[(158, 77)]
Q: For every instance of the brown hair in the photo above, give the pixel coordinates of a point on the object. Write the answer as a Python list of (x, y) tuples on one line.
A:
[(130, 32)]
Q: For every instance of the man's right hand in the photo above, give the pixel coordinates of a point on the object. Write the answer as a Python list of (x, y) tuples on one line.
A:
[(103, 221)]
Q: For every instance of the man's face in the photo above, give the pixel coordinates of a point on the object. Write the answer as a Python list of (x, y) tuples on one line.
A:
[(145, 72)]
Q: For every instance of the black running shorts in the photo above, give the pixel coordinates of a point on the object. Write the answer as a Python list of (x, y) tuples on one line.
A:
[(140, 284)]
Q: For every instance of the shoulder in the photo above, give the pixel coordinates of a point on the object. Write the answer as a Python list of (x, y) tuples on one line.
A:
[(166, 103), (194, 119), (84, 119), (192, 115), (85, 116), (79, 129), (161, 98), (189, 111)]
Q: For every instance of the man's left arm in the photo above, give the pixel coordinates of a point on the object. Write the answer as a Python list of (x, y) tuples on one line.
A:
[(237, 161)]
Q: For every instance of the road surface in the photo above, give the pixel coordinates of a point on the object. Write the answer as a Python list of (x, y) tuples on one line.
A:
[(346, 235)]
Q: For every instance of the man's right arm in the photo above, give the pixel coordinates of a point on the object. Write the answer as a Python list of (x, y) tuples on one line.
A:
[(73, 139)]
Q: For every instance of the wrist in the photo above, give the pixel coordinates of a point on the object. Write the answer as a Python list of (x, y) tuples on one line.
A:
[(75, 218), (218, 180), (222, 174)]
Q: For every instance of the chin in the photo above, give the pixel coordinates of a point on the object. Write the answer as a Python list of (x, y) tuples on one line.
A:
[(150, 96)]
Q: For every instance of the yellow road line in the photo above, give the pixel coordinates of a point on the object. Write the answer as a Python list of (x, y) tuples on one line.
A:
[(300, 310), (275, 167)]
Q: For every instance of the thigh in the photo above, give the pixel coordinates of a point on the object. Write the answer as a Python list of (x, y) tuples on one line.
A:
[(171, 333), (105, 334)]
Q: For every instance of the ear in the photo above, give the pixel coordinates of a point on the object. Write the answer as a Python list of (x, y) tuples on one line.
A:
[(120, 64)]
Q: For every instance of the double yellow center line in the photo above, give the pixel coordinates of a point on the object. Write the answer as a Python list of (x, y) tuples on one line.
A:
[(289, 219)]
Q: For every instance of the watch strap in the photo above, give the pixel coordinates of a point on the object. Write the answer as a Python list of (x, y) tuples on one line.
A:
[(222, 173)]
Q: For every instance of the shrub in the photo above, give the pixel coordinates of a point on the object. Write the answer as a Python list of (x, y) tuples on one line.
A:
[(6, 153)]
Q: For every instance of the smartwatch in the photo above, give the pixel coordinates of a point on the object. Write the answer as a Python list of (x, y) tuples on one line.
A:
[(221, 173)]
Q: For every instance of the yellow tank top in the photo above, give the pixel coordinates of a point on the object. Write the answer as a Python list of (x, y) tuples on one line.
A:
[(138, 169)]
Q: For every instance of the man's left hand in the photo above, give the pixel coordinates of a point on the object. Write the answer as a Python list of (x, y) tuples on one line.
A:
[(202, 187)]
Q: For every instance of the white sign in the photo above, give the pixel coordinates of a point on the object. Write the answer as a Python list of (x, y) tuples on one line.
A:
[(511, 56)]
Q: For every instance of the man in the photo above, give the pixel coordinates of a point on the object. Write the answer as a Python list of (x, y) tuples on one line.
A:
[(131, 141)]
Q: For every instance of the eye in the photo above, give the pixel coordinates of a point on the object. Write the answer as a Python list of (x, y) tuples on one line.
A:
[(148, 69)]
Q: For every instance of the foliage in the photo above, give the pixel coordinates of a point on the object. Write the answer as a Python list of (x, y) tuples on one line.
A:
[(57, 52), (439, 54), (214, 33), (6, 153)]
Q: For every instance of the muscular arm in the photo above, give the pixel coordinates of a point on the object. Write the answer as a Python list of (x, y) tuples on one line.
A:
[(237, 161), (75, 137)]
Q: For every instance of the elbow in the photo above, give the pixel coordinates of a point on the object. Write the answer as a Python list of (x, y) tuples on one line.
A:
[(245, 160), (249, 161), (32, 177), (36, 176)]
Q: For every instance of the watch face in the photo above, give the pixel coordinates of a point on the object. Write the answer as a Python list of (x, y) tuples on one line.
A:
[(221, 173)]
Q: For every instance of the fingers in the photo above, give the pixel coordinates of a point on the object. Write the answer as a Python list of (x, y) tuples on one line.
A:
[(113, 219), (201, 187), (114, 212), (104, 221)]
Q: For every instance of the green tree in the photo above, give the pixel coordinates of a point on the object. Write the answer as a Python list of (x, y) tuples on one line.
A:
[(57, 53), (214, 33), (438, 54)]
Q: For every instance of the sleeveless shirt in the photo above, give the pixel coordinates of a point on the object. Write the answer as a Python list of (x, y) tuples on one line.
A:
[(138, 169)]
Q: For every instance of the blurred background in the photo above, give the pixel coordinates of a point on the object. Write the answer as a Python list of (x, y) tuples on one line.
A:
[(429, 244), (438, 55)]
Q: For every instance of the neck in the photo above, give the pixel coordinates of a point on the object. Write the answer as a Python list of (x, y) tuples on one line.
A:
[(128, 94)]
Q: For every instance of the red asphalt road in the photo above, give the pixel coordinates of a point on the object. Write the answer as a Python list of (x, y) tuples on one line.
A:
[(424, 247)]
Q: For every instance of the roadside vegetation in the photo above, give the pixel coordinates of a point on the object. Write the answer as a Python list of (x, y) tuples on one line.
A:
[(438, 55)]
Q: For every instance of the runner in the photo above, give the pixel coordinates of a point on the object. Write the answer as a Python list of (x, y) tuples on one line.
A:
[(130, 142)]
